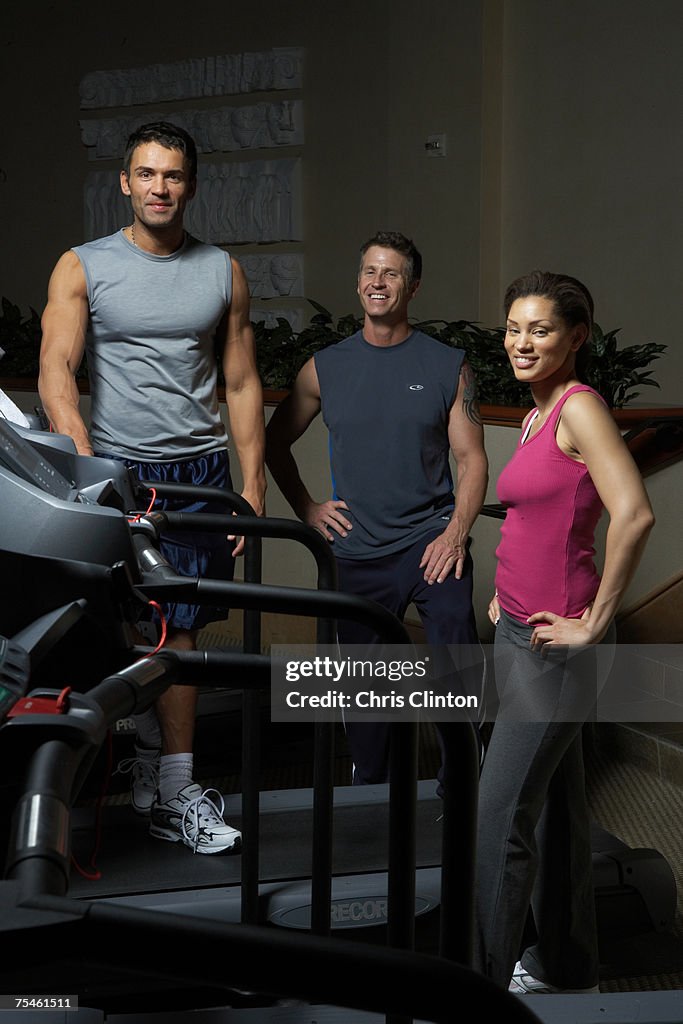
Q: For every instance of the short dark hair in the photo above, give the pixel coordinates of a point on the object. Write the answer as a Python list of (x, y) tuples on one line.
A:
[(166, 134), (406, 246), (570, 297)]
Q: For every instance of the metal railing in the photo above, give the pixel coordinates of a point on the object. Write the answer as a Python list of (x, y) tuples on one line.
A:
[(61, 746), (44, 924)]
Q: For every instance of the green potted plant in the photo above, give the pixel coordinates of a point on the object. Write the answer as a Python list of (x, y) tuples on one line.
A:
[(281, 352), (614, 372), (19, 340), (617, 373)]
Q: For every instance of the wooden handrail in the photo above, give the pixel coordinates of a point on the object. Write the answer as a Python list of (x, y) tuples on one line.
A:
[(654, 433)]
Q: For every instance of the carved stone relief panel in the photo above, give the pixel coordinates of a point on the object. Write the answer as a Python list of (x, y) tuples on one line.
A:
[(273, 274), (279, 68), (255, 201), (221, 130)]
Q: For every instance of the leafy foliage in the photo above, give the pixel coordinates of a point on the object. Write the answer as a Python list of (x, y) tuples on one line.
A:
[(496, 382), (614, 372), (617, 373), (281, 353), (20, 340)]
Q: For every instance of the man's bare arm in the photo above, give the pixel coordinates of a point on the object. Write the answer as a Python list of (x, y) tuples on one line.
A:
[(64, 327), (466, 439), (290, 420), (244, 393)]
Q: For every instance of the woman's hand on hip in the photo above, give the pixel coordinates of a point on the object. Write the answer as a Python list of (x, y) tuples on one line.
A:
[(557, 631)]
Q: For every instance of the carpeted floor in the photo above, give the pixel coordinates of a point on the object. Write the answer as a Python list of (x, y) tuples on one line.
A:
[(629, 802), (645, 812), (636, 807)]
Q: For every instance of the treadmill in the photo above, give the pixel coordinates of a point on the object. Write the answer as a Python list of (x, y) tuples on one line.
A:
[(103, 561), (125, 568), (96, 546)]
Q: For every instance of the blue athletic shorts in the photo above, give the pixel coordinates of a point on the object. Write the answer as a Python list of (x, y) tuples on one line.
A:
[(193, 553)]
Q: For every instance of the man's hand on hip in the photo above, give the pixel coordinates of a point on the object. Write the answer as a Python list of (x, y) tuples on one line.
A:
[(326, 516)]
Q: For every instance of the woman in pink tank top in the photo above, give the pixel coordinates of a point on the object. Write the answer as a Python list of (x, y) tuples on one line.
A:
[(554, 618)]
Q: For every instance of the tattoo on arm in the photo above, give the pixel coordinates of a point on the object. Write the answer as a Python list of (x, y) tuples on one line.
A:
[(470, 398)]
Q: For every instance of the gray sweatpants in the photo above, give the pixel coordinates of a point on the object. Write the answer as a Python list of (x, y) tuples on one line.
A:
[(534, 845)]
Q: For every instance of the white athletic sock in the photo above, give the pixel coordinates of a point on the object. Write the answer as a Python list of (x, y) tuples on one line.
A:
[(175, 772), (148, 729)]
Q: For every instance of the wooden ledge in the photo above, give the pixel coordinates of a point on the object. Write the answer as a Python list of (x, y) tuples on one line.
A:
[(654, 433)]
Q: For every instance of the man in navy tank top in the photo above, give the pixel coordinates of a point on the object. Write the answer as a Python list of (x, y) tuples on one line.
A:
[(150, 304), (397, 404)]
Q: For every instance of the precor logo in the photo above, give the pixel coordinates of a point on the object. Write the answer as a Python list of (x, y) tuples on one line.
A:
[(350, 913), (416, 387)]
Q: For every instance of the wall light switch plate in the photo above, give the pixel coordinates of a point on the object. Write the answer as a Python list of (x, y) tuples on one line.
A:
[(435, 145)]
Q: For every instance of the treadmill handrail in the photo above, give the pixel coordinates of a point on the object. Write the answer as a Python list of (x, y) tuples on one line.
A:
[(456, 939), (402, 801), (265, 527), (254, 596), (199, 492), (350, 974), (292, 529), (285, 600)]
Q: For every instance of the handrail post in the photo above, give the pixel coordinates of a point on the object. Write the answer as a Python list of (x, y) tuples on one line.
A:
[(251, 748), (323, 808), (458, 843)]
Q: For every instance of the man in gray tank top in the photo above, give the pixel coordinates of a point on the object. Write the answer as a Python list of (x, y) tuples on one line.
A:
[(151, 305), (397, 404)]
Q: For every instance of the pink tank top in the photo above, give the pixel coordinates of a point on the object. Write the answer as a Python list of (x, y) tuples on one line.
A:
[(545, 555)]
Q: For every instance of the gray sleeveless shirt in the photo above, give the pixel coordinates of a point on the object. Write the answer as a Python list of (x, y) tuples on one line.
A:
[(150, 347), (387, 412)]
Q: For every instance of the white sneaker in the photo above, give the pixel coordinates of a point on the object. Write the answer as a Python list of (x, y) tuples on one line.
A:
[(144, 768), (524, 983), (194, 819)]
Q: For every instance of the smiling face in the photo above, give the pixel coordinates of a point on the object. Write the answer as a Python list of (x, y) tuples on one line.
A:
[(159, 185), (540, 345), (383, 286)]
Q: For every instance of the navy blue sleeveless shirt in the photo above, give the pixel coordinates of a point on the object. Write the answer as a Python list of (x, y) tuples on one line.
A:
[(386, 410)]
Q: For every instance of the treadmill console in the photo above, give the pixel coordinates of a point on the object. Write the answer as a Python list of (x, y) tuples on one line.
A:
[(19, 456), (51, 463)]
